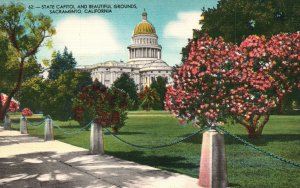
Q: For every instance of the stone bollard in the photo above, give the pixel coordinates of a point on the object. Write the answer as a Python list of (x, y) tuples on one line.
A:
[(48, 130), (96, 139), (23, 125), (213, 170), (7, 122)]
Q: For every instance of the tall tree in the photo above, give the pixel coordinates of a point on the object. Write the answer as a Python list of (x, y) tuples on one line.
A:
[(127, 84), (9, 66), (25, 32), (33, 88), (159, 84), (61, 63), (148, 97), (220, 80), (58, 95), (234, 20)]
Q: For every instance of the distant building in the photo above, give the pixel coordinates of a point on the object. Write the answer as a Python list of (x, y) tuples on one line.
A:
[(144, 64)]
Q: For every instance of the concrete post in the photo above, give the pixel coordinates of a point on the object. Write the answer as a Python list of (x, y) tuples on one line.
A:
[(7, 122), (213, 171), (96, 139), (23, 125), (48, 130)]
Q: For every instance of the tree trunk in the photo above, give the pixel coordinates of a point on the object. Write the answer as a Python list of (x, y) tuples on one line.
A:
[(115, 129), (252, 132), (2, 115), (4, 108), (254, 126)]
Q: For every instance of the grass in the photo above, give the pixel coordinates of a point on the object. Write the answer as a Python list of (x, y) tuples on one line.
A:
[(246, 167)]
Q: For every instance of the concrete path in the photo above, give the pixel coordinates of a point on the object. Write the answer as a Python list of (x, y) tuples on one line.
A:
[(27, 161)]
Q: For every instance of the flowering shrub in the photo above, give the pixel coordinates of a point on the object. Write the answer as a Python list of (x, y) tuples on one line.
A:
[(106, 106), (26, 112), (220, 80), (13, 105)]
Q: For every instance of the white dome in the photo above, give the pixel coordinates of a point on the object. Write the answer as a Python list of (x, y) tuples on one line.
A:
[(156, 65)]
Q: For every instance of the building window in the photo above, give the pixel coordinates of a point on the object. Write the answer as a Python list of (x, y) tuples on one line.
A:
[(167, 71), (106, 69), (151, 71), (158, 71), (121, 69)]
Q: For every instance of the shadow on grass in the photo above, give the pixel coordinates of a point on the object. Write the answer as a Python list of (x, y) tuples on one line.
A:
[(125, 133), (234, 185), (166, 162), (261, 141)]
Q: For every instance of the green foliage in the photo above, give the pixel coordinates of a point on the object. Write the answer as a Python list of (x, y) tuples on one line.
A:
[(31, 94), (148, 97), (22, 34), (236, 19), (61, 63), (9, 67), (25, 31), (107, 107), (159, 85), (127, 84), (58, 95)]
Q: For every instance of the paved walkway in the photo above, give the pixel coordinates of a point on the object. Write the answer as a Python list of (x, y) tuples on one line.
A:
[(27, 161)]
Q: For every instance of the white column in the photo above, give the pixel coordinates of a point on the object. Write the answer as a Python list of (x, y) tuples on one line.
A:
[(213, 170), (48, 130), (111, 78), (143, 50), (23, 125), (134, 53), (96, 139), (7, 122)]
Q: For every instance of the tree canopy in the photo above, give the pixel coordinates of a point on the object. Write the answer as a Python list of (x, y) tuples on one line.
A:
[(234, 20), (159, 84), (148, 97), (57, 98), (25, 33), (127, 84), (61, 63), (221, 81)]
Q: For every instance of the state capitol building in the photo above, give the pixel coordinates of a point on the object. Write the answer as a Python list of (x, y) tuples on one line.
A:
[(144, 64)]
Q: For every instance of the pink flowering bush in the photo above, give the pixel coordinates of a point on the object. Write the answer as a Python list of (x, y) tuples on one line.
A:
[(220, 80), (26, 112), (13, 105)]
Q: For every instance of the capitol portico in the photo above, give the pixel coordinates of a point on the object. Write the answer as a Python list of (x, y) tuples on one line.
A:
[(144, 59)]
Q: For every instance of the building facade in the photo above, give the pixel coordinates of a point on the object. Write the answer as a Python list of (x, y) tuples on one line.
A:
[(144, 59)]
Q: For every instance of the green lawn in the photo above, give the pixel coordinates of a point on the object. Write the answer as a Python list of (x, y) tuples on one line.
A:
[(246, 167)]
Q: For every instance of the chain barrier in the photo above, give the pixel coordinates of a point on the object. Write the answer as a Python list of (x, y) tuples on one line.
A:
[(219, 129), (36, 124), (74, 132), (154, 147)]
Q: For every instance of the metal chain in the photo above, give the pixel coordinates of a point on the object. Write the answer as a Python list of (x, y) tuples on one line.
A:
[(36, 125), (73, 132), (259, 149), (154, 147)]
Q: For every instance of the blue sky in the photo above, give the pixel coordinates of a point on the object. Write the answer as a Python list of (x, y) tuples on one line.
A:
[(98, 37)]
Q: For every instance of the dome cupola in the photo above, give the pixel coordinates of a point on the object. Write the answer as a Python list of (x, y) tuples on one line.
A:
[(144, 27)]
